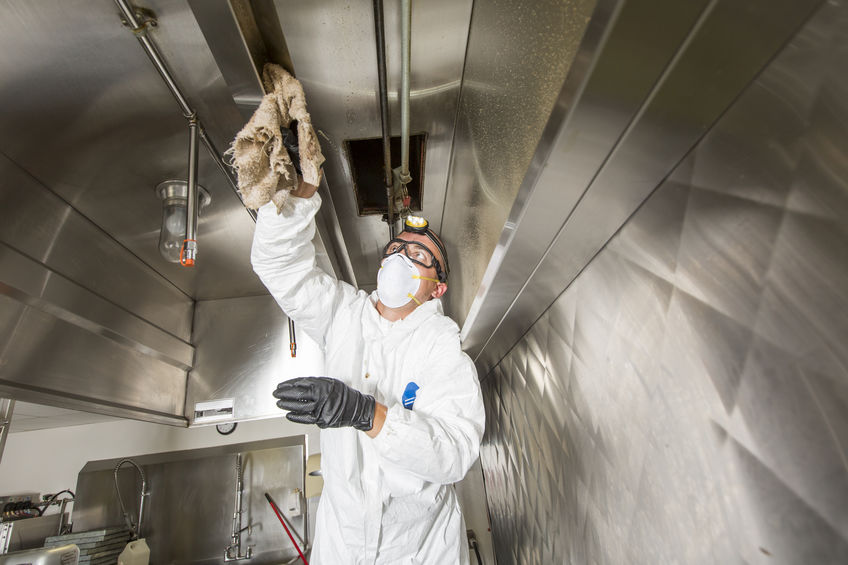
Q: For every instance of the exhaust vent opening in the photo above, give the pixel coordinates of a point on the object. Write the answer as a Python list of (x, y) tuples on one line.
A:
[(365, 157)]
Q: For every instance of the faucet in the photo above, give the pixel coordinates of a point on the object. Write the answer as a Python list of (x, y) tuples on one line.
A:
[(135, 530), (233, 551)]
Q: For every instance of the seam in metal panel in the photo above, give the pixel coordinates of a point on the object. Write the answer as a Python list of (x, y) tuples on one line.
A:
[(456, 119), (88, 325)]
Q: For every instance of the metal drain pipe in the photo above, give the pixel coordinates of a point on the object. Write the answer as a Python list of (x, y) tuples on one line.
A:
[(405, 38), (139, 21), (380, 29), (189, 254)]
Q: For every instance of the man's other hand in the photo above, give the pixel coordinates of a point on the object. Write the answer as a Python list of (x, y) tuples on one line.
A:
[(327, 402)]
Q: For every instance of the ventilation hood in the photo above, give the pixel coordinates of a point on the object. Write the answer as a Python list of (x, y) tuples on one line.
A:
[(536, 118)]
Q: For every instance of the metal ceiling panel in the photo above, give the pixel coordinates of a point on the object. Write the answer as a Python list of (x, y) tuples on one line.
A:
[(333, 51), (241, 48), (227, 43), (89, 117), (84, 324), (109, 374)]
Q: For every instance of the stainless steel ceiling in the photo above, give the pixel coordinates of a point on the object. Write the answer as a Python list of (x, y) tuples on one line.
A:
[(87, 116), (90, 125), (333, 51), (92, 121)]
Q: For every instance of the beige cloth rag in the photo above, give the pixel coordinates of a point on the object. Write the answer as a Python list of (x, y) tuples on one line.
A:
[(265, 170)]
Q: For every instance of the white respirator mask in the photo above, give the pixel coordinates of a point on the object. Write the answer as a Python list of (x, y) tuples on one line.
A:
[(398, 281)]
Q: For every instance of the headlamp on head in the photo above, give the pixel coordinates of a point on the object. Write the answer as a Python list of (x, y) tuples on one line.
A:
[(417, 224)]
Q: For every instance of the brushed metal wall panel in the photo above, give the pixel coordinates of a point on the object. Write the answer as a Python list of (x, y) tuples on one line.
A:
[(43, 227), (718, 59), (518, 56), (243, 352), (31, 284), (50, 356), (86, 324), (684, 399)]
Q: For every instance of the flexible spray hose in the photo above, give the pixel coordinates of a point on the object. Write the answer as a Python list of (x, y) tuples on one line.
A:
[(134, 530)]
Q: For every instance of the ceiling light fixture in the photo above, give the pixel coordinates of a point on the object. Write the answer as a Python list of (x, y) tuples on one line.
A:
[(172, 234)]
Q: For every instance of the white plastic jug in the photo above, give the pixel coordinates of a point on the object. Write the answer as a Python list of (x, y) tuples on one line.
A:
[(135, 553)]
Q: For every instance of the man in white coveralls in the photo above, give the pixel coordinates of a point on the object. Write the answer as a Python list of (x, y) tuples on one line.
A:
[(400, 410)]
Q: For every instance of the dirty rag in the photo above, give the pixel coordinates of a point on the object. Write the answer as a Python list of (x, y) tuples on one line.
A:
[(265, 170)]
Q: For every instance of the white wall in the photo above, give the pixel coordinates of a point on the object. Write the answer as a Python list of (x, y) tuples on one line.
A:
[(47, 461)]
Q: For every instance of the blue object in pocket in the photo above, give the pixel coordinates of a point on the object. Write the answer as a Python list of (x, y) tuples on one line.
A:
[(409, 395)]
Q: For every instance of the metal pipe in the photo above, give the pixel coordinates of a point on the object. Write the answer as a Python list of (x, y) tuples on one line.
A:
[(139, 29), (405, 33), (189, 255), (237, 510), (135, 530), (384, 112), (235, 536)]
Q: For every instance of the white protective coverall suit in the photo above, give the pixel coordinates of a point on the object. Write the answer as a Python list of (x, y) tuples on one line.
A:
[(389, 499)]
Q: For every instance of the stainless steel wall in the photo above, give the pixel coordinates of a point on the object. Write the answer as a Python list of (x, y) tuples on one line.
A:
[(684, 400), (517, 58), (243, 352), (83, 322), (189, 512)]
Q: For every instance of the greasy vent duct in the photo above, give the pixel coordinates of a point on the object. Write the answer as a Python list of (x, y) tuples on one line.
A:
[(365, 157)]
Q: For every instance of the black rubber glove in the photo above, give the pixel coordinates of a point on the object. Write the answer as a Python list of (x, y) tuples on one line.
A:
[(292, 145), (327, 402)]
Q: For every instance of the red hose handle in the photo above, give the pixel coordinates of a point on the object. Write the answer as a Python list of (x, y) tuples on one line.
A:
[(283, 522)]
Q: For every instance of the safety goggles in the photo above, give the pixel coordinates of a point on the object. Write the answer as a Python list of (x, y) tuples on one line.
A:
[(417, 253)]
